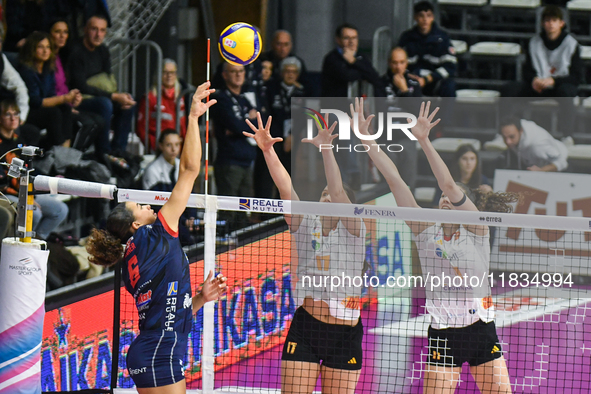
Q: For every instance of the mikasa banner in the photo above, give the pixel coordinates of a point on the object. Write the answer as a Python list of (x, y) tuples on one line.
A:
[(23, 272)]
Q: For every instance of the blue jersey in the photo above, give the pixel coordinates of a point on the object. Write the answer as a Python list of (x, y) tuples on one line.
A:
[(156, 274)]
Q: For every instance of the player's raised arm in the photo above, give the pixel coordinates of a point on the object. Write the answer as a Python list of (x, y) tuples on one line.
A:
[(399, 188), (333, 175), (281, 178), (446, 183), (190, 159)]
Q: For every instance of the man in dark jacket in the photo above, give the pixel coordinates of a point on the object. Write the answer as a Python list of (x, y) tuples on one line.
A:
[(90, 58), (341, 67), (431, 57), (235, 153), (397, 81), (343, 64)]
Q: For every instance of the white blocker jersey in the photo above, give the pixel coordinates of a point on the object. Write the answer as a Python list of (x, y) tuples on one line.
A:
[(455, 272), (321, 260)]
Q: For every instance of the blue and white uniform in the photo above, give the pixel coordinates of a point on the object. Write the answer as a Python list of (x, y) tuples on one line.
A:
[(156, 274)]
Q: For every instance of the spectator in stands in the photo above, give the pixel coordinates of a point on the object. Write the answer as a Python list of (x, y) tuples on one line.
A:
[(465, 168), (266, 70), (432, 60), (397, 81), (171, 88), (6, 220), (281, 47), (49, 212), (12, 85), (280, 96), (403, 94), (89, 70), (344, 65), (341, 67), (235, 152), (163, 173), (48, 110), (86, 124), (553, 68), (531, 147)]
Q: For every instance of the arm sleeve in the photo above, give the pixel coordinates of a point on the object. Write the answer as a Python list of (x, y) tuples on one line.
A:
[(575, 72), (35, 99), (339, 68), (367, 72), (448, 61), (12, 81), (529, 73), (149, 178), (550, 152), (140, 129)]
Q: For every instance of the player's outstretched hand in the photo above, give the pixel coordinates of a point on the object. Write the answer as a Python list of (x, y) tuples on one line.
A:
[(358, 115), (262, 133), (198, 107), (425, 121), (213, 288), (324, 136)]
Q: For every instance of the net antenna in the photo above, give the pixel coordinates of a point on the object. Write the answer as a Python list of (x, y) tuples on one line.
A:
[(134, 19), (207, 122)]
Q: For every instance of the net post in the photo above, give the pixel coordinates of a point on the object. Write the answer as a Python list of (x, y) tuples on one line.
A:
[(207, 358)]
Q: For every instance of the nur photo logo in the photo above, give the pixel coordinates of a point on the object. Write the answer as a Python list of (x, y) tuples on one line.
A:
[(388, 122)]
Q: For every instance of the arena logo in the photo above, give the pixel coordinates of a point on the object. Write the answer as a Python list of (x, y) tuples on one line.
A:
[(344, 130), (260, 205), (373, 212)]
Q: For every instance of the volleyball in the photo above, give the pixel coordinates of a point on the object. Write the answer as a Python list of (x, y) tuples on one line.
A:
[(240, 44)]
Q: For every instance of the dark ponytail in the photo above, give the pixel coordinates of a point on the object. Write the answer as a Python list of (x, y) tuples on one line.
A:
[(490, 201), (105, 246)]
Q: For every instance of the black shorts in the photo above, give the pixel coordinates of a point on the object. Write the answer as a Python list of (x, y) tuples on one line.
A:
[(155, 358), (476, 344), (310, 340)]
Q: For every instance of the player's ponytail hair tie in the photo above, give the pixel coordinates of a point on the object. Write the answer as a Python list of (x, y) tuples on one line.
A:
[(105, 246)]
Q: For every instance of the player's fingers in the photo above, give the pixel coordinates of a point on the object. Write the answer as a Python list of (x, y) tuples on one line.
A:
[(252, 127), (248, 134), (209, 276), (268, 126), (433, 114)]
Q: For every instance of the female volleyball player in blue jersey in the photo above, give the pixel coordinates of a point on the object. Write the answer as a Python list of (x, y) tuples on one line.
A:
[(462, 319), (156, 271), (327, 326)]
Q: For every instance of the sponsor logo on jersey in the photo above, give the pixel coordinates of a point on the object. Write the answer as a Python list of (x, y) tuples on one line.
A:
[(137, 371), (173, 288), (144, 299), (351, 303)]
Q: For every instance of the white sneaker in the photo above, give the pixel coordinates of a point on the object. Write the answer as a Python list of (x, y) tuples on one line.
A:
[(568, 141)]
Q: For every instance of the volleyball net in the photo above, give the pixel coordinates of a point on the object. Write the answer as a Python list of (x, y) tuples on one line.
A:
[(537, 283)]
